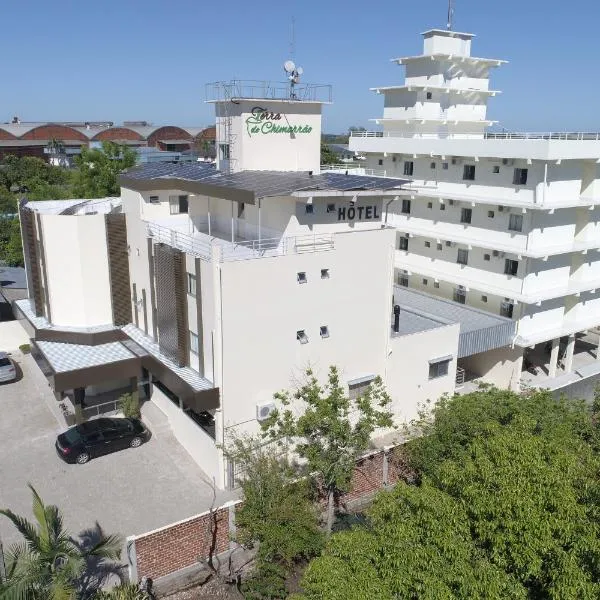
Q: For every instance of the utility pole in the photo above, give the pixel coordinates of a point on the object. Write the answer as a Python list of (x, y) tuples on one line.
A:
[(450, 14)]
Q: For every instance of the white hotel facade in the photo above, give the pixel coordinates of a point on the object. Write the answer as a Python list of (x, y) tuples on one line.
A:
[(208, 290)]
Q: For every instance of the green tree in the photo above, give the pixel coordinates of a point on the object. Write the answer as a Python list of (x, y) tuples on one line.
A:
[(48, 563), (11, 251), (506, 507), (332, 432), (328, 157), (98, 170)]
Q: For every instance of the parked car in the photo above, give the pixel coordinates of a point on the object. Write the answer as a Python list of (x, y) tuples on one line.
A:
[(8, 371), (100, 436)]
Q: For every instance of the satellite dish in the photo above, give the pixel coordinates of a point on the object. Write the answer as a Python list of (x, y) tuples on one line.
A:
[(289, 66), (299, 70)]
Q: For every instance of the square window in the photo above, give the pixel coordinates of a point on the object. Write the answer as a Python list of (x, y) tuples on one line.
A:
[(436, 285), (403, 279), (465, 215), (430, 205), (178, 204), (403, 243), (432, 165), (442, 206), (448, 244), (460, 295), (324, 273), (469, 173), (506, 309), (439, 247), (193, 342), (191, 284), (462, 257), (486, 257), (301, 277), (380, 162), (224, 151), (511, 267), (445, 166), (154, 200), (309, 208), (496, 170), (429, 96), (406, 207), (491, 214), (427, 244), (301, 336), (324, 331), (438, 368), (409, 167), (425, 282), (330, 208), (520, 176), (484, 298), (515, 223)]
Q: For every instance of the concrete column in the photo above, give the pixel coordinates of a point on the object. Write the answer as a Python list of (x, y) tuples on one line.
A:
[(569, 354), (554, 357), (515, 381)]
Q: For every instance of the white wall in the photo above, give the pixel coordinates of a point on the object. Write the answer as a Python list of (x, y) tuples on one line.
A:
[(77, 267), (500, 367)]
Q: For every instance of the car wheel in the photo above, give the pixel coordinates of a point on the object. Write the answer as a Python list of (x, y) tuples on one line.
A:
[(83, 458), (136, 442)]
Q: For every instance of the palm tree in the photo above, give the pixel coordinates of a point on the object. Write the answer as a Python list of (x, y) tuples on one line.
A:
[(49, 562), (126, 591)]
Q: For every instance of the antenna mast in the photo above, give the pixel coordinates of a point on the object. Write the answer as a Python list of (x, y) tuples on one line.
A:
[(293, 39), (450, 14)]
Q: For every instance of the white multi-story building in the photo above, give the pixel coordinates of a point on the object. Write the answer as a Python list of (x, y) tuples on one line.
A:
[(211, 289), (504, 222)]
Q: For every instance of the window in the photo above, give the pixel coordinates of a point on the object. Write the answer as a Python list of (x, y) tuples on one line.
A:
[(427, 244), (445, 166), (224, 151), (241, 210), (330, 208), (484, 298), (178, 204), (432, 165), (403, 244), (496, 170), (439, 247), (469, 173), (324, 273), (506, 309), (425, 282), (403, 279), (309, 209), (191, 284), (380, 161), (406, 207), (409, 167), (448, 244), (193, 342), (436, 285), (301, 277), (154, 200), (491, 214), (465, 215), (462, 257), (515, 223), (429, 95), (486, 257), (442, 206), (520, 176), (301, 336), (324, 330), (438, 368), (430, 205), (459, 295), (511, 266)]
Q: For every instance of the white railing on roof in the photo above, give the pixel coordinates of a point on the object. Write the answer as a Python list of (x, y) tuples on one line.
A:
[(202, 245), (354, 169), (508, 135)]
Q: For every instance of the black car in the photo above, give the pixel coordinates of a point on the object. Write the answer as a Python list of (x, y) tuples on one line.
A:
[(100, 436)]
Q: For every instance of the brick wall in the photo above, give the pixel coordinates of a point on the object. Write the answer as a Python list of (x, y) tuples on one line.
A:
[(116, 134), (59, 132)]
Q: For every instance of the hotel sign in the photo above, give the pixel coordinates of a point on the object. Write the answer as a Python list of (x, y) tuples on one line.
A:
[(359, 213), (262, 121)]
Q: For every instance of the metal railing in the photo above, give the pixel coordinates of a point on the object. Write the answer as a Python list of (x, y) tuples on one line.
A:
[(95, 410), (269, 90), (202, 244), (507, 135), (354, 169)]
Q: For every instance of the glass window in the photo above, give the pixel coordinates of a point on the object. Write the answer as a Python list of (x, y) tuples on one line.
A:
[(432, 165), (436, 285), (520, 176), (324, 330), (191, 284), (491, 214), (445, 166), (324, 273), (301, 277), (511, 267), (439, 247), (224, 151), (438, 369), (194, 342), (406, 207), (330, 208), (429, 95), (427, 244), (403, 279), (403, 245), (515, 223), (462, 258), (430, 205), (465, 215), (469, 172), (380, 162), (506, 309), (409, 167), (301, 336), (496, 170), (154, 200), (178, 204), (486, 257), (460, 295)]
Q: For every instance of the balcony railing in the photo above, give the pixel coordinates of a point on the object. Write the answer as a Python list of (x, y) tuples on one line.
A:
[(354, 169), (507, 135), (220, 91)]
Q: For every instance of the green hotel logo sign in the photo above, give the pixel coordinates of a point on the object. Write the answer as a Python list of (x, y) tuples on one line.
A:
[(261, 121)]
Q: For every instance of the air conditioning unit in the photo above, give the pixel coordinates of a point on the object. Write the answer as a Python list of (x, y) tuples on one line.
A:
[(508, 162), (263, 411)]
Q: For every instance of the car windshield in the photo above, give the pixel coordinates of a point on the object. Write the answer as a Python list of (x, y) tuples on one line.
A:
[(4, 362), (72, 435)]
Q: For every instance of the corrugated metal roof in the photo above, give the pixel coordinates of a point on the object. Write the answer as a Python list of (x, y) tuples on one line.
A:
[(480, 331)]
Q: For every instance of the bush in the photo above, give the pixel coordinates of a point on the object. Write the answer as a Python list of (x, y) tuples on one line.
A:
[(129, 405), (25, 348)]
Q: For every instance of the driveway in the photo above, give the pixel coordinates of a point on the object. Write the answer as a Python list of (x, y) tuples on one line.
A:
[(128, 492)]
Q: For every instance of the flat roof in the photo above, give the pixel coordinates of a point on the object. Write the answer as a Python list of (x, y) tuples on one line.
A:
[(413, 321), (247, 186), (70, 357)]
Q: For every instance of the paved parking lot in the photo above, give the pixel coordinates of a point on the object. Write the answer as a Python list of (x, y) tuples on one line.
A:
[(127, 492)]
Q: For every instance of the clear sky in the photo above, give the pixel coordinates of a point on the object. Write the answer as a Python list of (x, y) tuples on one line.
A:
[(149, 59)]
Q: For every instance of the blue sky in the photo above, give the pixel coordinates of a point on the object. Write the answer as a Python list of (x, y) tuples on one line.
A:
[(149, 59)]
